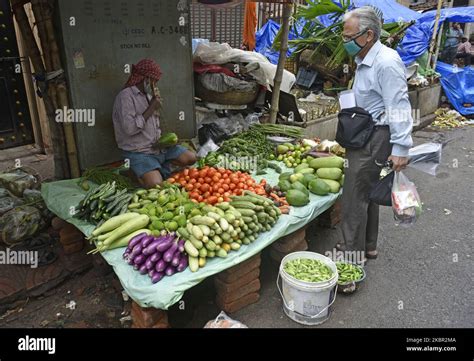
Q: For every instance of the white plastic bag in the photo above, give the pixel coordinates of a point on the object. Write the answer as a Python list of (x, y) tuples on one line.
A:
[(406, 203), (224, 321), (425, 157)]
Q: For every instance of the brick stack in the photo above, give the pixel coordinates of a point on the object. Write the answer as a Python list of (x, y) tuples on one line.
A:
[(294, 242), (148, 317), (332, 216), (70, 238), (238, 287)]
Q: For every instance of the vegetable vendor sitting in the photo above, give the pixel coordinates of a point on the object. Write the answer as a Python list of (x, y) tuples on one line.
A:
[(137, 127)]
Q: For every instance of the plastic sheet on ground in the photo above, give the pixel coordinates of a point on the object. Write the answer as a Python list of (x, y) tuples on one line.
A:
[(60, 196)]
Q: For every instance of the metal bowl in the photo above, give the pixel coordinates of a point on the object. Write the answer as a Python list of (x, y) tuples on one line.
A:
[(352, 286)]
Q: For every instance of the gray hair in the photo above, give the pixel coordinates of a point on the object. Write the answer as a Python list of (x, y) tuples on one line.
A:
[(368, 19)]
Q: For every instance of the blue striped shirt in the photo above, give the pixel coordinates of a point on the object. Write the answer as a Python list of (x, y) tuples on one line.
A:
[(381, 88)]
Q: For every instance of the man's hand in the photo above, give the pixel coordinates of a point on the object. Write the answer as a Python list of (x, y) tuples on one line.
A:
[(399, 163), (154, 105)]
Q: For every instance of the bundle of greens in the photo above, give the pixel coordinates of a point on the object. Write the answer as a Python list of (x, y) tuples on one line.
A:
[(102, 175)]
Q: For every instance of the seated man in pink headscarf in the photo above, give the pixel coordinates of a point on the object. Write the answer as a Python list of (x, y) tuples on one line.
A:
[(137, 127)]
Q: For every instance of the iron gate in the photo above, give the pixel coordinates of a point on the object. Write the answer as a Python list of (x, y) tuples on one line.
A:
[(218, 25), (15, 121)]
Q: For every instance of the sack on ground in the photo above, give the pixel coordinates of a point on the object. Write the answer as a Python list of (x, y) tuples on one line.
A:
[(224, 321)]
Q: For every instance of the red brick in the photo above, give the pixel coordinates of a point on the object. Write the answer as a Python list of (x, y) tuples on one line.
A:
[(245, 265), (287, 244), (332, 216), (148, 317), (278, 256), (299, 235), (224, 287), (228, 297), (73, 247), (70, 234), (242, 302), (58, 223), (230, 277)]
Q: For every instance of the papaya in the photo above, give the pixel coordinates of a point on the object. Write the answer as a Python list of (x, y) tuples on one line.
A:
[(285, 176), (284, 185), (329, 173), (334, 185), (319, 187), (296, 198), (308, 178), (168, 140), (301, 167), (301, 187), (306, 171), (341, 181), (327, 162)]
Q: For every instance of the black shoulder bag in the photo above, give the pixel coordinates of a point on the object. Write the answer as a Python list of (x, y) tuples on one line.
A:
[(354, 128)]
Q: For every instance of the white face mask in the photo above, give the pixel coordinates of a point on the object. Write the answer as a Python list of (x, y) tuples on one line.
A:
[(147, 87)]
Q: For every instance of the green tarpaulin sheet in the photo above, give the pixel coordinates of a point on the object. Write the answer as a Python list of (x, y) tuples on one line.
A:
[(62, 196)]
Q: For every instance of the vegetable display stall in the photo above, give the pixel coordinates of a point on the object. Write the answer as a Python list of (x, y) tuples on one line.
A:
[(62, 195)]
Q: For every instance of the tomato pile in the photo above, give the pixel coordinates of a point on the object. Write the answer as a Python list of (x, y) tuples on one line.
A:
[(214, 185)]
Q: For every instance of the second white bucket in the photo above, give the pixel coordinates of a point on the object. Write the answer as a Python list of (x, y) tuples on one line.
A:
[(307, 303)]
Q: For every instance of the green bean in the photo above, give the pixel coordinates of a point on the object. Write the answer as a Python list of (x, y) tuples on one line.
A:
[(308, 270)]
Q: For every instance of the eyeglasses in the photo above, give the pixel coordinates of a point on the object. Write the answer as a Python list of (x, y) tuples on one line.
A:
[(346, 39)]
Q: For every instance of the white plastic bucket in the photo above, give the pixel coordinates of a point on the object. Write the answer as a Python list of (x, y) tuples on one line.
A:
[(307, 303)]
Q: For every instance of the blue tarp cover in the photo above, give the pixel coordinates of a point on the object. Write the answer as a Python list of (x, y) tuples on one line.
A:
[(418, 37), (392, 12), (458, 86)]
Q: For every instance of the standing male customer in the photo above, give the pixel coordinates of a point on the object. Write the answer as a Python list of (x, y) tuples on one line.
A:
[(380, 88)]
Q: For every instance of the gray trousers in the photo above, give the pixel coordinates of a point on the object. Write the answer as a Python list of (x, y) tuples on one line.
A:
[(360, 217)]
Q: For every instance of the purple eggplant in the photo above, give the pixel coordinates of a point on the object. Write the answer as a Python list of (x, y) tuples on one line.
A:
[(183, 263), (139, 260), (170, 270), (181, 245), (155, 257), (136, 240), (165, 244), (176, 258), (151, 272), (130, 260), (149, 263), (168, 255), (160, 266), (128, 250), (151, 248), (157, 276), (137, 250), (143, 270), (147, 241), (126, 255), (136, 267)]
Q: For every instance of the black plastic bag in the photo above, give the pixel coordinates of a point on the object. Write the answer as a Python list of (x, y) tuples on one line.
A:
[(211, 131), (381, 194)]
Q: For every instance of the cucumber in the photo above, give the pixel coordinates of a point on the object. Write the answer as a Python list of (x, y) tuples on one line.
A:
[(193, 263), (190, 249), (246, 212)]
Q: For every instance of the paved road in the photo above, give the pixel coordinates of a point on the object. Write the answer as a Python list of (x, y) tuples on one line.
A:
[(424, 274)]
